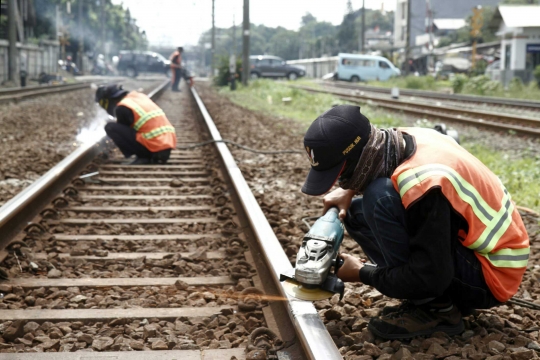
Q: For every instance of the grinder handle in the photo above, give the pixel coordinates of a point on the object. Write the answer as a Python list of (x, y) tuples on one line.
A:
[(338, 263)]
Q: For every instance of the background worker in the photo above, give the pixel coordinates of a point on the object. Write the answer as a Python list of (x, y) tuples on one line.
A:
[(176, 67), (438, 224), (141, 127)]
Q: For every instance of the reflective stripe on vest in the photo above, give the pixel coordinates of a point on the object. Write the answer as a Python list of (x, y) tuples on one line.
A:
[(159, 131), (134, 106), (496, 222), (144, 117)]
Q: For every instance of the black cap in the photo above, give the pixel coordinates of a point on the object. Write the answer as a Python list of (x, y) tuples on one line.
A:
[(334, 137), (110, 92)]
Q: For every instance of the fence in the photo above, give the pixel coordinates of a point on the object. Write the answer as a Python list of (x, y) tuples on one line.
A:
[(317, 67), (39, 58)]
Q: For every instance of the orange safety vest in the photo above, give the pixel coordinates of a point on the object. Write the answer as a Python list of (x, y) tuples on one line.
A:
[(496, 232), (153, 128)]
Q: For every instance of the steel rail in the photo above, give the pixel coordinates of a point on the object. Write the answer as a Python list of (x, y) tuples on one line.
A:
[(479, 118), (18, 211), (523, 104), (309, 328)]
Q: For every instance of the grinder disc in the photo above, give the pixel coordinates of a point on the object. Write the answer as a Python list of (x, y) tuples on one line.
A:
[(297, 290)]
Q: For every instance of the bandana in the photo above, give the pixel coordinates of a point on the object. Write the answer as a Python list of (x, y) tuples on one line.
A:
[(380, 157)]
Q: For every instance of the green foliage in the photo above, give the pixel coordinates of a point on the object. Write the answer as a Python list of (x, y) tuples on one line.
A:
[(459, 82), (120, 29), (516, 85), (479, 68), (537, 73), (481, 85), (411, 82), (266, 96), (313, 39), (521, 176), (224, 74)]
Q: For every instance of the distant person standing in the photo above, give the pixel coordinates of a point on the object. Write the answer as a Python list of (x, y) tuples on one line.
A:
[(176, 67)]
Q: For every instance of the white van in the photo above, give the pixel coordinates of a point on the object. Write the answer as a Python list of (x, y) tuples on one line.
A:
[(353, 67)]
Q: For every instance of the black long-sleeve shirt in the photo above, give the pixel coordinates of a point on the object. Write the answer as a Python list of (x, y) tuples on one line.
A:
[(124, 115), (433, 228)]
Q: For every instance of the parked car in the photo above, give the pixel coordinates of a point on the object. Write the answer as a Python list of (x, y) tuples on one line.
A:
[(273, 67), (132, 63), (354, 67)]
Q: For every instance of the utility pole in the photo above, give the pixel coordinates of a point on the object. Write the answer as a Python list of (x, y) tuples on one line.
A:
[(81, 37), (245, 45), (232, 58), (103, 34), (362, 49), (408, 39), (213, 38), (476, 27), (234, 35), (12, 37)]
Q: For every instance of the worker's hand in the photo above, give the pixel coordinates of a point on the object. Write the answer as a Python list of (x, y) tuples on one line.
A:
[(339, 198), (350, 270)]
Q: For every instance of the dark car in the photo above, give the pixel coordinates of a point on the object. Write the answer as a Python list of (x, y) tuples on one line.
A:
[(132, 63), (273, 67)]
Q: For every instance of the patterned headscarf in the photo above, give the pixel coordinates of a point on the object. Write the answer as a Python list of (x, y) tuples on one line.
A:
[(382, 154)]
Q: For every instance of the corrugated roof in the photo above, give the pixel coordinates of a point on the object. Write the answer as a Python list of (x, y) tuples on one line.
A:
[(520, 16), (449, 24)]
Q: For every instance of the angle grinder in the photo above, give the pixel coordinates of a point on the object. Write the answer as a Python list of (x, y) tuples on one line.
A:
[(312, 279)]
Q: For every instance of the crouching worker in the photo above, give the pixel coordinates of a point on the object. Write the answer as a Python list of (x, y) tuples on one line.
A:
[(141, 129), (439, 225)]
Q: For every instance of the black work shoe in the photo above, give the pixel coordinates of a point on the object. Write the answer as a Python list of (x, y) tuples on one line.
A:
[(140, 161), (417, 321)]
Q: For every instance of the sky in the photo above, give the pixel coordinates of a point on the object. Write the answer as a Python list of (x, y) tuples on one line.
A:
[(181, 22)]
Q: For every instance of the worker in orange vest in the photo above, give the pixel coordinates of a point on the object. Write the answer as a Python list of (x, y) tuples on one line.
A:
[(141, 127), (439, 228), (176, 67)]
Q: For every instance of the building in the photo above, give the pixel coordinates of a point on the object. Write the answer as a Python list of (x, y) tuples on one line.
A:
[(519, 29), (431, 10)]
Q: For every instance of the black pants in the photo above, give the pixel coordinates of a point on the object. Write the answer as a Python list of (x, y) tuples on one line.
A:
[(124, 137), (177, 76), (377, 222)]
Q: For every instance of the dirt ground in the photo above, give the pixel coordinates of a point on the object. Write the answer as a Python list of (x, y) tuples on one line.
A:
[(505, 332)]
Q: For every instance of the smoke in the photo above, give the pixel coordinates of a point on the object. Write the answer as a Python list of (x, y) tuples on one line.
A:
[(95, 127)]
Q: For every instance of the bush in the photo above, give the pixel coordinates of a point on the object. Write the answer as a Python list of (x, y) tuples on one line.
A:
[(420, 83), (537, 74), (516, 85), (481, 85), (459, 82), (224, 75)]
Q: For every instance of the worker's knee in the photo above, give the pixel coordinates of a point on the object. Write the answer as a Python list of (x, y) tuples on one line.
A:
[(110, 128), (380, 192)]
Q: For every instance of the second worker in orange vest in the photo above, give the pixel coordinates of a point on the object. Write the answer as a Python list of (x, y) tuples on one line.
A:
[(176, 68), (141, 127), (439, 225)]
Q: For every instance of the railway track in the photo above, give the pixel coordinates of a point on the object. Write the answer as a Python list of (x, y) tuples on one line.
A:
[(471, 99), (178, 258), (488, 119), (24, 93)]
